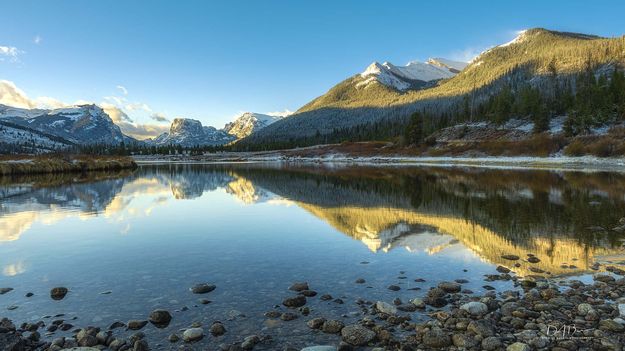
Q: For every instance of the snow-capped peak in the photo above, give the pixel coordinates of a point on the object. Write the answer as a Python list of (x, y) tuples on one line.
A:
[(445, 63), (249, 122), (519, 38), (404, 77)]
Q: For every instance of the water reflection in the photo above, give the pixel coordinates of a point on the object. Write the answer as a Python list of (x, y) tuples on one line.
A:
[(565, 219)]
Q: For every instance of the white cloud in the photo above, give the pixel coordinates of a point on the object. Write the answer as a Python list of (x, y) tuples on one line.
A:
[(136, 106), (37, 40), (123, 89), (142, 131), (50, 103), (116, 113), (284, 113), (116, 107), (11, 95), (10, 53)]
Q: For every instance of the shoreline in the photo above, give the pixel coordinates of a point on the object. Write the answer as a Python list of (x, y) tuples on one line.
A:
[(50, 164), (582, 163), (555, 313)]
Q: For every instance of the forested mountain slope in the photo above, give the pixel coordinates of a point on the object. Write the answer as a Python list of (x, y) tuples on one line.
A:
[(548, 64)]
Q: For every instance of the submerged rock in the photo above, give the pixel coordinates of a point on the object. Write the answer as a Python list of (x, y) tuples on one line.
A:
[(294, 302), (299, 286), (136, 324), (193, 334), (217, 329), (450, 287), (385, 307), (357, 335), (203, 288), (58, 293), (332, 326), (160, 318)]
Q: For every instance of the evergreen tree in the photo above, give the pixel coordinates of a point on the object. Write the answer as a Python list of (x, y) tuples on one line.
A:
[(414, 130)]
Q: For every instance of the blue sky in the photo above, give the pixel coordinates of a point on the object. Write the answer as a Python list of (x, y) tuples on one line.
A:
[(211, 60)]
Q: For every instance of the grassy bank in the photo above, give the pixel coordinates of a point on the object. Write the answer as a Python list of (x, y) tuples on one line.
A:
[(27, 164)]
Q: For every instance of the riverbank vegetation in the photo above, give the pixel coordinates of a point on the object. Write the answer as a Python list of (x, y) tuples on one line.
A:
[(58, 163)]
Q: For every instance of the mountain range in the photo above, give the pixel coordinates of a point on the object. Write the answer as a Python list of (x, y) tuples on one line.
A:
[(190, 132), (385, 93), (42, 130), (54, 129), (382, 93)]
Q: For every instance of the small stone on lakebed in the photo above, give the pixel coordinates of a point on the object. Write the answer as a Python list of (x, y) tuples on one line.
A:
[(293, 302), (203, 288), (300, 286), (58, 293)]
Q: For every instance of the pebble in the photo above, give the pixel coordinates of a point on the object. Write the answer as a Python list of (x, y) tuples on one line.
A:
[(217, 329), (203, 288), (436, 338), (385, 307), (160, 318), (288, 316), (294, 302), (502, 269), (315, 323), (136, 324), (326, 297), (58, 293), (299, 286), (475, 308), (357, 335), (450, 287), (192, 334), (116, 325), (332, 326), (518, 346)]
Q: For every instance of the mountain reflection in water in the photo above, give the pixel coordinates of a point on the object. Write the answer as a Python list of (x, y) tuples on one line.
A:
[(564, 218)]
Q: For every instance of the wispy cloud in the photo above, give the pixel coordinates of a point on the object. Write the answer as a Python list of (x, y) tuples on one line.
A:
[(10, 53), (37, 40), (468, 54), (116, 107), (122, 89), (138, 106), (284, 113)]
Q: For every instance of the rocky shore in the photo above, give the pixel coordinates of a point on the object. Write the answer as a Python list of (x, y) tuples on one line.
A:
[(539, 314)]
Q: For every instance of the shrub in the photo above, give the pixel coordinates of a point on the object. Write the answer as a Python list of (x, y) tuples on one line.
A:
[(575, 148)]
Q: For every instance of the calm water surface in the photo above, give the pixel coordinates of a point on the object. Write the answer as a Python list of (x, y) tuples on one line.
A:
[(145, 237)]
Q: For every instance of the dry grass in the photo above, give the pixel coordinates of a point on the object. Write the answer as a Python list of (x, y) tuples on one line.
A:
[(600, 146), (541, 145), (26, 164)]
